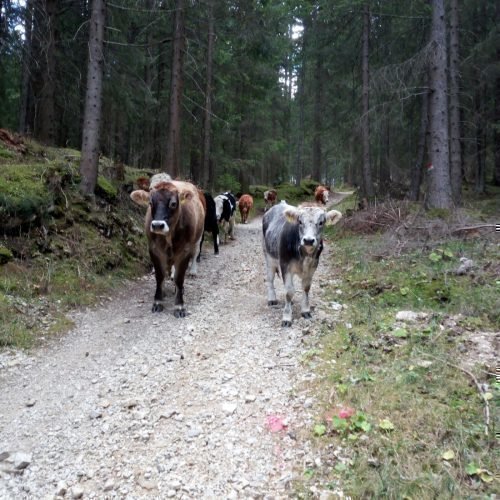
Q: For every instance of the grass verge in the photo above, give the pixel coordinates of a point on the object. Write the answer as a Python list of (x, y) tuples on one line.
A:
[(404, 396)]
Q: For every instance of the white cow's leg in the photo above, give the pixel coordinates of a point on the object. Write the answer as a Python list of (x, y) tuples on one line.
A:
[(290, 291), (271, 268), (305, 307)]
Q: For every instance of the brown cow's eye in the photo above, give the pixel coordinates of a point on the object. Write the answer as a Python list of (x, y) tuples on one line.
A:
[(173, 205)]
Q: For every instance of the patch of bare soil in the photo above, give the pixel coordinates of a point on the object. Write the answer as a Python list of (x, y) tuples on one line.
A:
[(132, 404)]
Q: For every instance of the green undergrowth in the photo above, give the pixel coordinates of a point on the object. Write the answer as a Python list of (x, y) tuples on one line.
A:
[(59, 251), (401, 397)]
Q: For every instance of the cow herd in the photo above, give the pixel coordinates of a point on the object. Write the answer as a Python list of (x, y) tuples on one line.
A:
[(178, 214)]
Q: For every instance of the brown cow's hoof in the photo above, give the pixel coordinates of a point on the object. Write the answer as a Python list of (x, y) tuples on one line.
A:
[(180, 313), (272, 302), (307, 315), (157, 308), (286, 323)]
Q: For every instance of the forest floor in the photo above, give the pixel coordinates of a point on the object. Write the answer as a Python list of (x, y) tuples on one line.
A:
[(390, 391), (132, 404)]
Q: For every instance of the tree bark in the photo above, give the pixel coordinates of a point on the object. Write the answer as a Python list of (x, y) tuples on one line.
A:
[(480, 180), (301, 96), (207, 118), (172, 163), (496, 129), (45, 126), (367, 185), (93, 100), (455, 125), (25, 75), (317, 154), (418, 167), (438, 185)]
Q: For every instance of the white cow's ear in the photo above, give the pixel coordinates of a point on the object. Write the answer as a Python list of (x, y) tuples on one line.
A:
[(333, 216), (292, 214), (140, 197)]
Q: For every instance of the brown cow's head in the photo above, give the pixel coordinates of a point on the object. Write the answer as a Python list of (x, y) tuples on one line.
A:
[(164, 206)]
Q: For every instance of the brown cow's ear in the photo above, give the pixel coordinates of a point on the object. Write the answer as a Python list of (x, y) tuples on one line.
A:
[(185, 196), (333, 216), (140, 197)]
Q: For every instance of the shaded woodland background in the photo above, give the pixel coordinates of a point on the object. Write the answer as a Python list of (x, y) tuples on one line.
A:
[(269, 92)]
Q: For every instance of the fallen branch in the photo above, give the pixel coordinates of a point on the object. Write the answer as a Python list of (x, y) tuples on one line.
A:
[(471, 228)]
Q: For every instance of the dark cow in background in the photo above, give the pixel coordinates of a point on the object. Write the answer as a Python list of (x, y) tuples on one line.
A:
[(211, 225), (174, 226), (225, 208), (292, 245), (321, 194), (245, 204), (270, 198)]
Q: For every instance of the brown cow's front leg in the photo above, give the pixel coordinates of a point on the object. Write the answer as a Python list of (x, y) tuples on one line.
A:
[(180, 272), (160, 276)]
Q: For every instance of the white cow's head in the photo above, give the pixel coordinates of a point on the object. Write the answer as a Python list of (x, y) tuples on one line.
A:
[(219, 206), (311, 222)]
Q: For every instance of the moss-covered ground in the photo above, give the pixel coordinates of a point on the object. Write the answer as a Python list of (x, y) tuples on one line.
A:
[(57, 250)]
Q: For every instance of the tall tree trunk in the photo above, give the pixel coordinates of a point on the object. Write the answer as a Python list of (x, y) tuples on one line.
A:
[(368, 190), (149, 118), (299, 160), (46, 120), (93, 100), (384, 179), (173, 156), (158, 149), (25, 75), (207, 117), (301, 96), (496, 116), (318, 101), (289, 96), (480, 180), (455, 128), (438, 185), (5, 12), (418, 167)]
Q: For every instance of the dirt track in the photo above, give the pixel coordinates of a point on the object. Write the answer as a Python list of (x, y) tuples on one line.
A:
[(134, 404)]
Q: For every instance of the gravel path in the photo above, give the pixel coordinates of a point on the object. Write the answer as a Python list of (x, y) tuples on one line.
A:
[(132, 404)]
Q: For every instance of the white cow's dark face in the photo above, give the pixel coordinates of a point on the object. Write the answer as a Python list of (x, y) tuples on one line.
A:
[(164, 208)]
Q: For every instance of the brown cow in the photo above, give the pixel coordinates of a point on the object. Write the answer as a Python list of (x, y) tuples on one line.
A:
[(245, 204), (270, 197), (321, 194), (174, 227)]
